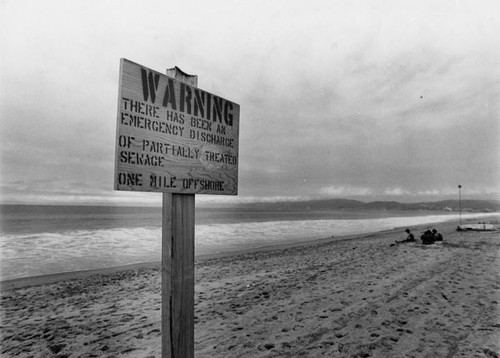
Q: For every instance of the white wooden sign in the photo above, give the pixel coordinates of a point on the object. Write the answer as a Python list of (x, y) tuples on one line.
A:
[(173, 137)]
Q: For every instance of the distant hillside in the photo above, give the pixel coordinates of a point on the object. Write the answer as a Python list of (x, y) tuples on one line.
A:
[(346, 204), (312, 205), (446, 205)]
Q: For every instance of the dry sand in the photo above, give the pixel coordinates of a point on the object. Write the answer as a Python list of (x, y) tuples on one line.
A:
[(358, 297)]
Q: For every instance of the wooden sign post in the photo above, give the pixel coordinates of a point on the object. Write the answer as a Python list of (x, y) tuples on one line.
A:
[(179, 140), (177, 276)]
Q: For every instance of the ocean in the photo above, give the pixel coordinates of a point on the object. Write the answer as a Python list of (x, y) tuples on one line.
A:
[(37, 240)]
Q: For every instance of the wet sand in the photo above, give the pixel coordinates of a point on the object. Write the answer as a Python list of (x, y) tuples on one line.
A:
[(358, 297)]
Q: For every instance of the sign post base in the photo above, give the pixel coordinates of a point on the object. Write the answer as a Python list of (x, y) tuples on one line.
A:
[(177, 313)]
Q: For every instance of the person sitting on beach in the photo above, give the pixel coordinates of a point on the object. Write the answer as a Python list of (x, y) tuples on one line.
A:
[(410, 238), (427, 238), (437, 235)]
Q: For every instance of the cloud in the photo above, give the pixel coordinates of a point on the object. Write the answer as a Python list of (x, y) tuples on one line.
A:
[(433, 192), (337, 98), (345, 191), (396, 191)]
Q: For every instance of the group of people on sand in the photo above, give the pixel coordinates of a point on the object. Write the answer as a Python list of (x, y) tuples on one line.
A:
[(428, 237)]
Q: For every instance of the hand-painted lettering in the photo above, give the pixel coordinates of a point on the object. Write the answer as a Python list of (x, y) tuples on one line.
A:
[(125, 141), (220, 158), (175, 117), (127, 157), (169, 97), (161, 181), (201, 124), (153, 146), (173, 136), (202, 184), (149, 84), (221, 129), (140, 107), (199, 103), (186, 96), (190, 100), (150, 124), (211, 138), (130, 179)]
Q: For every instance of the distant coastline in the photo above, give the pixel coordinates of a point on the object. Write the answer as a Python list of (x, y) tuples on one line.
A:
[(466, 205)]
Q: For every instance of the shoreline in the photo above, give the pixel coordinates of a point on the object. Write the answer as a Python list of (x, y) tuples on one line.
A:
[(29, 281), (356, 296)]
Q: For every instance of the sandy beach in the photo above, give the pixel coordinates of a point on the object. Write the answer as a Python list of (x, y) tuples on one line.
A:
[(354, 297)]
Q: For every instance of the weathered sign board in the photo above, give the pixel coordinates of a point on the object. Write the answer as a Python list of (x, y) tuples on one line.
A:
[(173, 137)]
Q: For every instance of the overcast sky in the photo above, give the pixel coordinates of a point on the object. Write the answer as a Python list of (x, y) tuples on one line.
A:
[(370, 100)]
